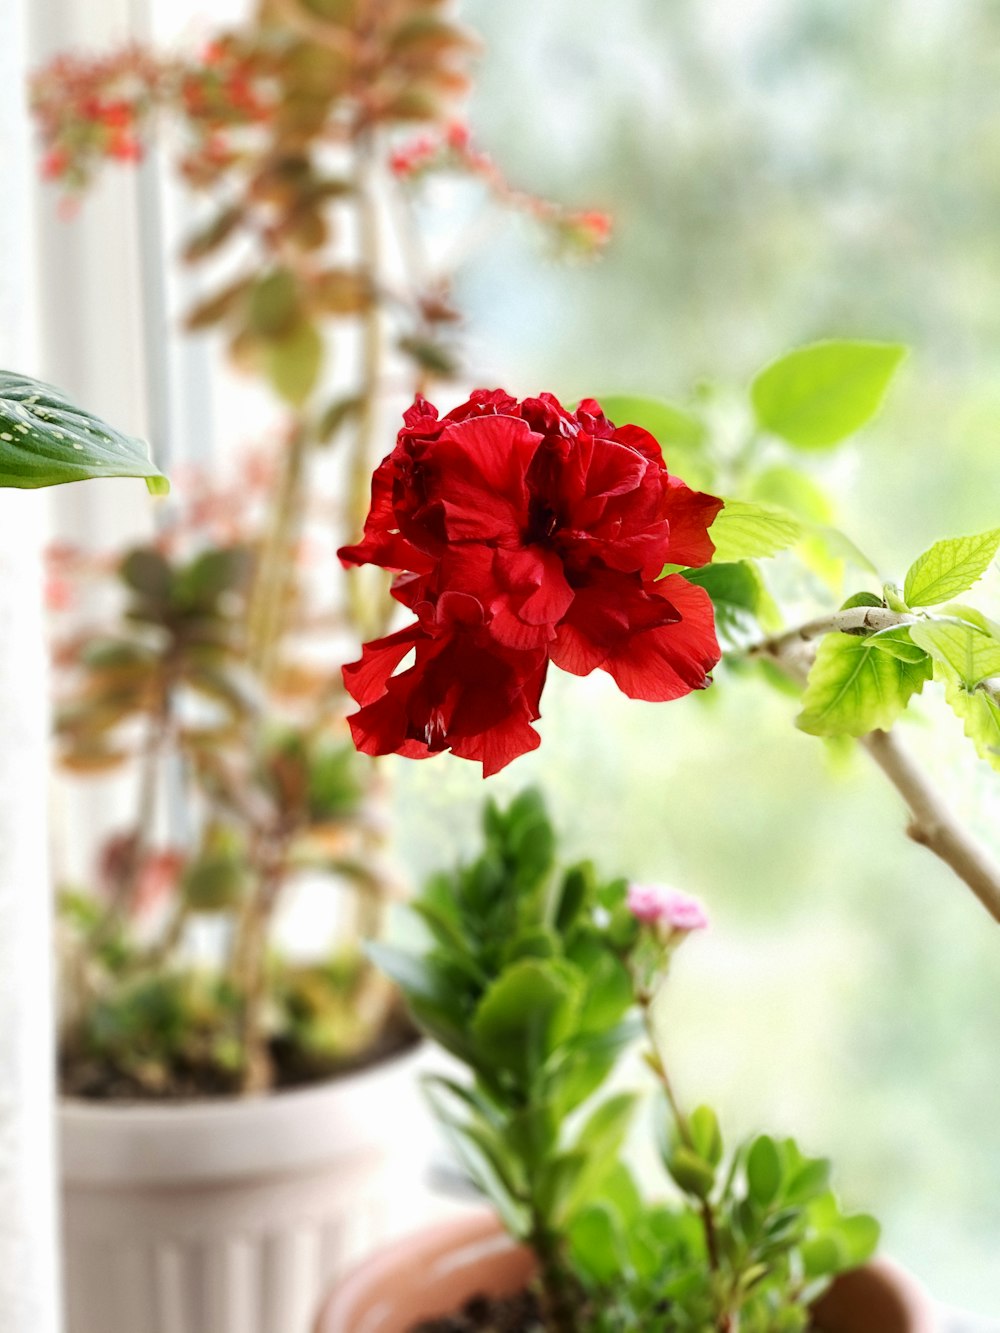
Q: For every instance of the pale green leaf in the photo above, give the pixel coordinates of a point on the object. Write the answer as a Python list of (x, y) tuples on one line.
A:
[(46, 440), (949, 567), (293, 363), (854, 688), (980, 714), (818, 395), (791, 489), (966, 651), (745, 529), (899, 643)]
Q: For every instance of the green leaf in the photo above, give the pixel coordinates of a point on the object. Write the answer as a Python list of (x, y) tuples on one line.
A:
[(46, 440), (744, 529), (690, 1171), (481, 1153), (739, 596), (293, 363), (898, 643), (822, 1256), (853, 688), (605, 1130), (412, 974), (808, 1180), (704, 1126), (949, 567), (972, 655), (980, 714), (859, 1234), (523, 1017), (818, 395), (669, 423), (791, 489), (599, 1144), (764, 1170), (597, 1243)]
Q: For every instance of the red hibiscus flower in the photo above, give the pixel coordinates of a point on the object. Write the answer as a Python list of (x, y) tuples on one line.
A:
[(463, 693), (553, 527)]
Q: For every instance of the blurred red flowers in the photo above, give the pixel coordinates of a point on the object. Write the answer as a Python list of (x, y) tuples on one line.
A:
[(524, 533)]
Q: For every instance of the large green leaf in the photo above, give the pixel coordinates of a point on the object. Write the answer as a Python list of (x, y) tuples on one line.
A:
[(949, 567), (972, 655), (46, 440), (524, 1016), (745, 529), (855, 688), (818, 395)]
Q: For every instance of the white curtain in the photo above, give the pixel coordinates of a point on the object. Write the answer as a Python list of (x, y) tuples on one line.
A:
[(29, 1295)]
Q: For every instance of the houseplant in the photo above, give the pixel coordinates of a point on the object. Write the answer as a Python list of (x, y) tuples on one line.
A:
[(305, 137), (536, 982)]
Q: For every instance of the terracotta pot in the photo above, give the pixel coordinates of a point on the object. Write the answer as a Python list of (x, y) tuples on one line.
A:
[(437, 1271), (234, 1215)]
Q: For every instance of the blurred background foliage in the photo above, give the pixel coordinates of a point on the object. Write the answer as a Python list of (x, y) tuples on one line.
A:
[(779, 171)]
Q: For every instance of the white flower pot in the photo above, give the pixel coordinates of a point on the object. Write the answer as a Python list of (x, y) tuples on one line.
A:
[(229, 1215)]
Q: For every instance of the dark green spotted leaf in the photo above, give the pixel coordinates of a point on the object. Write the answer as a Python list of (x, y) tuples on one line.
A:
[(46, 440)]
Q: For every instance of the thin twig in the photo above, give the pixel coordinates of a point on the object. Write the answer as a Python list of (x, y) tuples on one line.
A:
[(933, 825)]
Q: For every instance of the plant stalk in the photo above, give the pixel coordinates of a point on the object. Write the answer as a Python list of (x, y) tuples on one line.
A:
[(933, 824)]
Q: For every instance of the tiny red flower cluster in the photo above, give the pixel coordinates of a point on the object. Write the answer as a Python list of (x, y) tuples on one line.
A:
[(584, 233), (524, 534)]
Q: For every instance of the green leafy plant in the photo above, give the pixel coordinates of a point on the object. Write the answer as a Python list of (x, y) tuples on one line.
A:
[(46, 440), (537, 979)]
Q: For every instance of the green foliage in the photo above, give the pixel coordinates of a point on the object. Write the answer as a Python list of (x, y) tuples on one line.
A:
[(818, 395), (744, 528), (855, 688), (743, 606), (179, 639), (529, 976), (961, 649), (949, 568), (46, 440)]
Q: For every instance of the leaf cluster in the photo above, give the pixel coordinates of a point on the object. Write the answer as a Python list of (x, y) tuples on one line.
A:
[(528, 975)]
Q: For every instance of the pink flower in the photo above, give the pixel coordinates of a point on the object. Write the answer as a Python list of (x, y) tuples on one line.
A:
[(658, 905)]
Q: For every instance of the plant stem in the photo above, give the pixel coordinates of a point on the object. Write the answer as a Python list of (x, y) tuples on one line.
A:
[(933, 825), (368, 613), (658, 1065), (249, 970), (272, 584), (558, 1304)]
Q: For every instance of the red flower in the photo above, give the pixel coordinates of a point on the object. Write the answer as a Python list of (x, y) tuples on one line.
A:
[(555, 526), (463, 693), (55, 164)]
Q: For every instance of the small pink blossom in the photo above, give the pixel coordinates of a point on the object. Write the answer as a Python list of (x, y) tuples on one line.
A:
[(658, 905)]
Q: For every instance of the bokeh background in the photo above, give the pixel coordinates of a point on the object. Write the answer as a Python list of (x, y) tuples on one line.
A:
[(779, 170)]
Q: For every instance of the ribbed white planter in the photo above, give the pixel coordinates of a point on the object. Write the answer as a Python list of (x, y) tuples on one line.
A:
[(232, 1216)]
